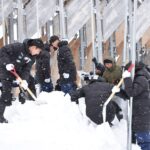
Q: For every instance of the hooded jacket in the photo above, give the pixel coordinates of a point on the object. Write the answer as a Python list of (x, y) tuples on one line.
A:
[(139, 90), (66, 63), (43, 70), (114, 74)]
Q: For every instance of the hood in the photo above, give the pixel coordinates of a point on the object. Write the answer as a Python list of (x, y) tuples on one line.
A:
[(113, 62), (100, 79), (46, 47), (25, 43), (62, 43), (143, 72)]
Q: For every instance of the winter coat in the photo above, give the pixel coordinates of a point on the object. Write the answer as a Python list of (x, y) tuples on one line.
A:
[(114, 74), (66, 63), (138, 89), (43, 65), (96, 93), (18, 55)]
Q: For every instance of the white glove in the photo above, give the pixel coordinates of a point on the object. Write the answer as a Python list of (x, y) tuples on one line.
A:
[(66, 75), (24, 84), (126, 74), (16, 82), (115, 89), (47, 80), (10, 67)]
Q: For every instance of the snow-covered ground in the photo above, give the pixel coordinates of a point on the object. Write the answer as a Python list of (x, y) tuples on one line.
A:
[(57, 125)]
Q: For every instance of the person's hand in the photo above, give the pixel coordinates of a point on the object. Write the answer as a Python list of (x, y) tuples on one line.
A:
[(47, 80), (10, 67), (94, 59), (115, 89), (66, 75), (126, 74), (24, 84)]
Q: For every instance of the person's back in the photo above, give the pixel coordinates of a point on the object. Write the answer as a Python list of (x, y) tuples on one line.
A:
[(67, 68), (43, 71), (96, 94), (139, 90)]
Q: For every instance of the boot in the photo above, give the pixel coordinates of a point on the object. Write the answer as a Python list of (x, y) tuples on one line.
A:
[(2, 109), (3, 120)]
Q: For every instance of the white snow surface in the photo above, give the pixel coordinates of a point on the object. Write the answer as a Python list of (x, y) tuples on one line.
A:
[(57, 124)]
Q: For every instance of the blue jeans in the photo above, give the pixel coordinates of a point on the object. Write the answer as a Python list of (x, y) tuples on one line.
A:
[(68, 87), (143, 140), (47, 87)]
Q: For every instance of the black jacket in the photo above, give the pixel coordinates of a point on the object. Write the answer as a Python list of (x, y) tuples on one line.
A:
[(43, 65), (96, 93), (66, 63), (17, 54), (138, 89)]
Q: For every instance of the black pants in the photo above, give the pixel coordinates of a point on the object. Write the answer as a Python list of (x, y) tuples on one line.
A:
[(6, 96)]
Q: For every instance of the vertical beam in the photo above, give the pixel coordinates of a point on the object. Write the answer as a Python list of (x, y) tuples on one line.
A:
[(37, 18), (62, 19), (83, 46), (3, 22), (48, 32), (138, 50), (99, 30), (20, 25), (10, 28), (93, 30), (133, 54), (126, 37)]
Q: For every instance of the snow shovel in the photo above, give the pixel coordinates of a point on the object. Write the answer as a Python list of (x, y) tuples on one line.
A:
[(112, 95), (20, 80)]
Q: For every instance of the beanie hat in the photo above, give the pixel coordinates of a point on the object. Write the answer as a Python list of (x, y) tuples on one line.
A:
[(108, 61), (36, 42)]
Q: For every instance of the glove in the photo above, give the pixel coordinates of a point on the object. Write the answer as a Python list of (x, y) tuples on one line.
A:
[(16, 83), (0, 84), (24, 84), (115, 89), (94, 59), (66, 75), (47, 80), (47, 87), (10, 67), (126, 74)]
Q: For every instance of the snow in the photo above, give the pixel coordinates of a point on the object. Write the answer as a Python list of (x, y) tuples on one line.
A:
[(57, 124)]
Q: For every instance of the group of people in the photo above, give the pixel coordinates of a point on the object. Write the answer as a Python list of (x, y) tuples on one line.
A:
[(20, 57), (98, 90)]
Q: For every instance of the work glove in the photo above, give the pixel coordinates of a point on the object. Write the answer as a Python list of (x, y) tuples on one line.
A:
[(10, 67), (48, 80), (47, 87), (115, 89), (94, 59), (126, 74), (66, 75), (24, 84)]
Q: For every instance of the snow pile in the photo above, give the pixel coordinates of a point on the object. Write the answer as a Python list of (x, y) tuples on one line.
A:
[(57, 125)]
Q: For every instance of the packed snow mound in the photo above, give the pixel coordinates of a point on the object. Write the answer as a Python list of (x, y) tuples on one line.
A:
[(57, 124)]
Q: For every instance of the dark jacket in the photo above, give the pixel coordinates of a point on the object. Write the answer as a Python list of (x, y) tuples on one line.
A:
[(114, 74), (43, 65), (66, 63), (138, 89), (17, 54), (96, 93)]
